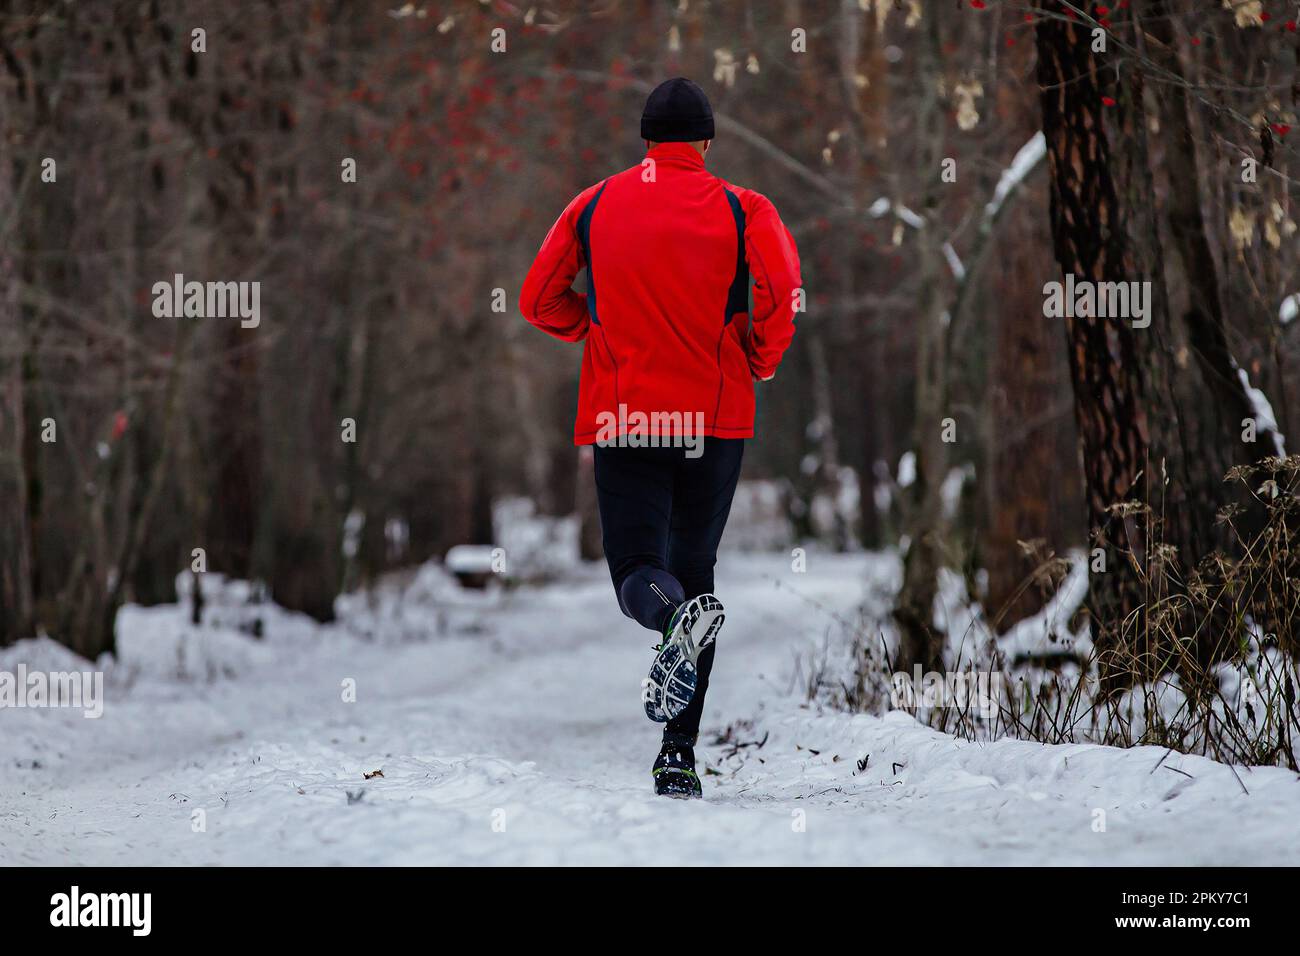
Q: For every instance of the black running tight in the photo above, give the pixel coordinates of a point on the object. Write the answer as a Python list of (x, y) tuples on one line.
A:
[(662, 515)]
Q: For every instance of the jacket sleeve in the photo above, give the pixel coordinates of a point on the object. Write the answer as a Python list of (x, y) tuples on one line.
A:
[(774, 264), (547, 299)]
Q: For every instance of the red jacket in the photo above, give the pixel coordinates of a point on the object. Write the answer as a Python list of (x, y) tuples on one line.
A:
[(669, 250)]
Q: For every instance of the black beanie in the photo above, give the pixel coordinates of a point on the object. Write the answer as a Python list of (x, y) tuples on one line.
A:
[(677, 112)]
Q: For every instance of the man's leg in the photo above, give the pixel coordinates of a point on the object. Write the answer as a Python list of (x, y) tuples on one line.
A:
[(634, 492), (701, 501)]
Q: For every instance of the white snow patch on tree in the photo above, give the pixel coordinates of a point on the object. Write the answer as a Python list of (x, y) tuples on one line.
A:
[(1262, 410), (882, 206), (907, 469), (1049, 629), (1022, 164), (954, 262), (469, 559), (950, 492)]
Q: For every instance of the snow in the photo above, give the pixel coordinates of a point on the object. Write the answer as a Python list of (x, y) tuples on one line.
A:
[(489, 755), (884, 205), (537, 547), (1263, 411), (1290, 308), (469, 559), (906, 469), (955, 264), (950, 491), (1022, 164), (1048, 656), (1048, 631), (759, 520)]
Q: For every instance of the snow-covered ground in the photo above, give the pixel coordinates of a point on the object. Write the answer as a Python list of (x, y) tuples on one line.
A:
[(508, 729)]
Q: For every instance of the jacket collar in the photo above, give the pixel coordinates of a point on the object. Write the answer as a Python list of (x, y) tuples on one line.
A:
[(677, 154)]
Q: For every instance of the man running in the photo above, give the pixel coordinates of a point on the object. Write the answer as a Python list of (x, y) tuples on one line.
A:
[(666, 394)]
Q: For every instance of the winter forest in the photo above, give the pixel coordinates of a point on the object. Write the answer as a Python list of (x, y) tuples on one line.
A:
[(1034, 434)]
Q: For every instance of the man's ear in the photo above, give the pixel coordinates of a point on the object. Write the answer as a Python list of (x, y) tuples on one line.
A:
[(707, 144)]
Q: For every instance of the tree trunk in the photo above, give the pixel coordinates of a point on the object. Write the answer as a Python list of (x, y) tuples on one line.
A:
[(1029, 474), (1029, 479), (919, 642), (1222, 402), (17, 606), (1197, 420), (1089, 242), (1159, 408), (590, 546)]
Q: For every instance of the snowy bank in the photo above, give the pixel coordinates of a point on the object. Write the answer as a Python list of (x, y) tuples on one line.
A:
[(262, 751)]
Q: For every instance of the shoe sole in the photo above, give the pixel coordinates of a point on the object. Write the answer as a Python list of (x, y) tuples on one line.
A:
[(670, 685), (679, 794), (678, 785)]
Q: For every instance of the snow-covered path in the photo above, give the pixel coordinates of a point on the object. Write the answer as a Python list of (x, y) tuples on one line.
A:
[(486, 759)]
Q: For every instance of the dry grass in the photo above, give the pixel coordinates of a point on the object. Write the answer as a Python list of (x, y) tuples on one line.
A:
[(1208, 666)]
